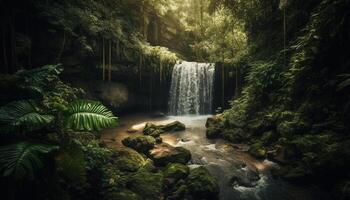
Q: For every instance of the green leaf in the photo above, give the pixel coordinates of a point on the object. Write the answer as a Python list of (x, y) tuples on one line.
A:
[(23, 114), (85, 115), (23, 159)]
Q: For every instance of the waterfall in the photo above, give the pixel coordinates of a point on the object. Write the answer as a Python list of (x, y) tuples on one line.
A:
[(191, 89)]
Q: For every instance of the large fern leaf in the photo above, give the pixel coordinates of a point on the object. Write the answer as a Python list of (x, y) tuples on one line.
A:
[(23, 114), (85, 115), (22, 160)]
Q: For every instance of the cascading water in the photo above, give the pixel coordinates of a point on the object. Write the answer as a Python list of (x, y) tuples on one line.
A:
[(191, 88)]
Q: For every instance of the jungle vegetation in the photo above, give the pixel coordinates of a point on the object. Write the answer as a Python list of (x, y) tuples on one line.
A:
[(289, 60)]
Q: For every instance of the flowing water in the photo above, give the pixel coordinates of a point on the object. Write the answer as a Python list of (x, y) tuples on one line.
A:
[(191, 88), (221, 158)]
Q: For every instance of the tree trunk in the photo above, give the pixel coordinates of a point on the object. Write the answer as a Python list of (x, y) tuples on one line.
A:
[(140, 68), (110, 62), (13, 44), (103, 60)]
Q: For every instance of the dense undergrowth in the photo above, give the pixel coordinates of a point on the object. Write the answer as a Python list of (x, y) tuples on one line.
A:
[(294, 107)]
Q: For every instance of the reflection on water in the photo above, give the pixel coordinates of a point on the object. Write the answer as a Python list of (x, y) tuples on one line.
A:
[(222, 159)]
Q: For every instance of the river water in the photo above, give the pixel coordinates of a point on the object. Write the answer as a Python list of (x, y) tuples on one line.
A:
[(222, 159)]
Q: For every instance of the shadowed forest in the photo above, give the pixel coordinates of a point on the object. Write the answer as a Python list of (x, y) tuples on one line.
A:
[(175, 99)]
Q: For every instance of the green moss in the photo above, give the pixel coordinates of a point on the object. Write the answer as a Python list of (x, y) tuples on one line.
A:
[(129, 161), (202, 184), (146, 184), (257, 150), (141, 143), (176, 171)]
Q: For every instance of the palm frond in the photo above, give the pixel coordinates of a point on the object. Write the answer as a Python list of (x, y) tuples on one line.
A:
[(85, 115), (23, 159), (23, 114)]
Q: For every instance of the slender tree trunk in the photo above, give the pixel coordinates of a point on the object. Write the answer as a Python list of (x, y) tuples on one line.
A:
[(118, 50), (201, 10), (110, 62), (103, 60), (140, 68), (59, 55), (236, 90)]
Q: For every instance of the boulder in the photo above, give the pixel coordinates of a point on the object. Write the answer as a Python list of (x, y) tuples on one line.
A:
[(146, 184), (258, 151), (129, 161), (213, 132), (152, 130), (141, 143), (164, 154), (245, 177), (176, 171), (174, 126), (202, 185)]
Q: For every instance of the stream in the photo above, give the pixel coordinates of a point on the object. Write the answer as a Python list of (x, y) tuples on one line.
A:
[(222, 159)]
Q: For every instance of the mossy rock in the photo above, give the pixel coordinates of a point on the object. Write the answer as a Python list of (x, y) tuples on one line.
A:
[(296, 172), (141, 143), (123, 194), (202, 185), (146, 184), (258, 151), (174, 126), (152, 130), (213, 132), (164, 154), (129, 161), (176, 171)]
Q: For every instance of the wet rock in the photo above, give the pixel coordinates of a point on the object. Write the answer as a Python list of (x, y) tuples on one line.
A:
[(283, 155), (159, 140), (246, 177), (185, 139), (152, 130), (179, 193), (131, 130), (214, 127), (141, 143), (174, 126), (164, 154), (146, 184), (213, 132), (176, 171), (129, 160), (202, 185), (123, 194), (258, 151)]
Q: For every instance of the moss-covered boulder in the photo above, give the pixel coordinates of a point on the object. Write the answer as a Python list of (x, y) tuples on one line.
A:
[(214, 127), (258, 150), (141, 143), (213, 132), (129, 160), (174, 126), (152, 130), (245, 177), (123, 194), (202, 185), (164, 154), (176, 171), (293, 172), (146, 184)]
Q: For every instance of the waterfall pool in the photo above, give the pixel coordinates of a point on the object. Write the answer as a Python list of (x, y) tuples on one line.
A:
[(222, 159)]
